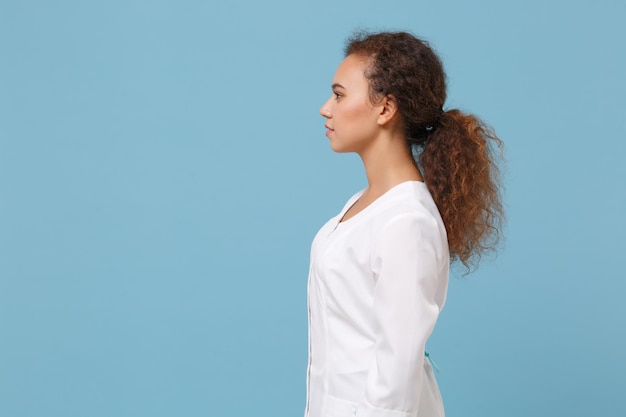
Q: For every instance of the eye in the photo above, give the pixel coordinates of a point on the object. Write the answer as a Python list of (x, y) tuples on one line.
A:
[(337, 95)]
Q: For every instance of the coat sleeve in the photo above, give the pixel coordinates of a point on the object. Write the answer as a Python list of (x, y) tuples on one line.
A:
[(407, 264)]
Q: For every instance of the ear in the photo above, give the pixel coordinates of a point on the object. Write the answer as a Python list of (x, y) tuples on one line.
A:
[(388, 109)]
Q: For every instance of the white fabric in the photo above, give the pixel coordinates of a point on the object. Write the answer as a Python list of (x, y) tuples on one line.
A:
[(377, 283)]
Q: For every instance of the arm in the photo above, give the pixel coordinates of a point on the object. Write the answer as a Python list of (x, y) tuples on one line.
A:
[(407, 263)]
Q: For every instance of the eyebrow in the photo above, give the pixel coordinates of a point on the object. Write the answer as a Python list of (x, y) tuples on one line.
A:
[(337, 85)]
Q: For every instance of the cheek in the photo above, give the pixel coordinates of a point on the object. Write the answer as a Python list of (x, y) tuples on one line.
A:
[(354, 126), (357, 112)]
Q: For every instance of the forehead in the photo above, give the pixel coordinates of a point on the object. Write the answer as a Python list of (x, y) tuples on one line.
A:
[(351, 72)]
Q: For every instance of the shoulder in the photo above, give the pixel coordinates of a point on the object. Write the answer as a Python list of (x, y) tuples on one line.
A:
[(409, 203), (410, 217)]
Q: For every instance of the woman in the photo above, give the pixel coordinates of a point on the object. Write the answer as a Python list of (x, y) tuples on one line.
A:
[(379, 269)]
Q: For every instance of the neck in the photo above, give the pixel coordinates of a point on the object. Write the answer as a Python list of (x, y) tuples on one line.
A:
[(389, 162)]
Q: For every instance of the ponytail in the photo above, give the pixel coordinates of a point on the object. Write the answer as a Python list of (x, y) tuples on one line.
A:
[(461, 172)]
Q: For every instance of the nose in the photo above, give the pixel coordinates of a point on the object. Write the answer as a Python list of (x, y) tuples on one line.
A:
[(325, 110)]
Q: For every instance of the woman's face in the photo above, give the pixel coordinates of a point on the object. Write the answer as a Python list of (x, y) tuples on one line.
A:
[(351, 119)]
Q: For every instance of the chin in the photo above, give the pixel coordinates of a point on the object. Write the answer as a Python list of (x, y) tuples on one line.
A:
[(340, 148)]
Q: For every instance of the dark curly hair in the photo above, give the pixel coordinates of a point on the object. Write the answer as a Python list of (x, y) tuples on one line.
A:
[(456, 150)]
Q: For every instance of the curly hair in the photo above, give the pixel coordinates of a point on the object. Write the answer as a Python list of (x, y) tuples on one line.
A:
[(456, 150)]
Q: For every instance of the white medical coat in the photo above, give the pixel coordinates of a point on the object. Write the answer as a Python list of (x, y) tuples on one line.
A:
[(377, 283)]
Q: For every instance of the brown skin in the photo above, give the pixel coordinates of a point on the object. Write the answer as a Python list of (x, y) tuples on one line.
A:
[(373, 130)]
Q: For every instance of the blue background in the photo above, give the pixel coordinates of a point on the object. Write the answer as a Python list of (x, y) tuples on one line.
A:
[(163, 169)]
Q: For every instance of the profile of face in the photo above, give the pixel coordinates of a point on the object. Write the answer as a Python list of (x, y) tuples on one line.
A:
[(352, 121)]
